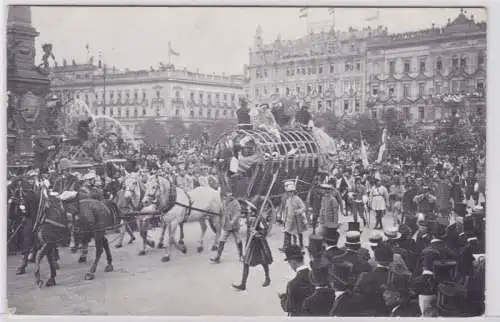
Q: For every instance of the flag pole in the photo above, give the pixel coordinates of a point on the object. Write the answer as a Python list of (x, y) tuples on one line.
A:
[(169, 53)]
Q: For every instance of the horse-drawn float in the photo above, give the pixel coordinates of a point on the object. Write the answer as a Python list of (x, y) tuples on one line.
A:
[(265, 161)]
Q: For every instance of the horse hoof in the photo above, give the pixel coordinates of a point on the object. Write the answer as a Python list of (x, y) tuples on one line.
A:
[(199, 249), (73, 249), (160, 245), (50, 282), (89, 276), (165, 259), (142, 253), (21, 271), (181, 242), (39, 283), (215, 248), (82, 260), (56, 265), (118, 246), (109, 268)]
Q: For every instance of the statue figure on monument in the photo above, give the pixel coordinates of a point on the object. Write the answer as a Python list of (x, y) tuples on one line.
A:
[(44, 66)]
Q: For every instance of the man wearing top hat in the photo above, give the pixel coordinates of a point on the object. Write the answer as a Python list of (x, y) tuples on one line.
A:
[(300, 287), (320, 302), (397, 296), (331, 204), (346, 302), (423, 236), (314, 197), (369, 284), (468, 250), (398, 264)]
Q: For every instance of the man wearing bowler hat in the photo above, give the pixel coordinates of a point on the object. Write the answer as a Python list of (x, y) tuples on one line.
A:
[(353, 241), (300, 287)]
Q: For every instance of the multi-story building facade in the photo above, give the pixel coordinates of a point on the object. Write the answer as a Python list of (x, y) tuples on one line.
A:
[(371, 70), (326, 67), (414, 72), (165, 93)]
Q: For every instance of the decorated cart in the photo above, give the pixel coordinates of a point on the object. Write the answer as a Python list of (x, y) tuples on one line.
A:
[(268, 161)]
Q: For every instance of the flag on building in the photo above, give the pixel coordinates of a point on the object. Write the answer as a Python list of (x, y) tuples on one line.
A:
[(171, 51), (304, 12), (383, 149), (375, 17)]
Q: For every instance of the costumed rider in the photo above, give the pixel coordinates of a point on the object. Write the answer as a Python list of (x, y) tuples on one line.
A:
[(45, 150), (88, 189), (243, 115), (303, 116), (264, 120), (231, 214)]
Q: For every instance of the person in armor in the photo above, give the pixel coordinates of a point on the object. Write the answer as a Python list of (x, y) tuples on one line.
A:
[(257, 251), (243, 115), (231, 214)]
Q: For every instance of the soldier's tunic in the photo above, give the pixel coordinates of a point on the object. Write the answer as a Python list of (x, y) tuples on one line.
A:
[(329, 211), (294, 215)]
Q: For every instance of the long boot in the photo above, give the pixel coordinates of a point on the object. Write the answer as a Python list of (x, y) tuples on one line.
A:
[(216, 260), (301, 240), (243, 285), (267, 281), (286, 241), (239, 245)]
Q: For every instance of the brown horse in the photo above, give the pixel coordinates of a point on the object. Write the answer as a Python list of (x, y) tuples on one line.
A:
[(94, 219)]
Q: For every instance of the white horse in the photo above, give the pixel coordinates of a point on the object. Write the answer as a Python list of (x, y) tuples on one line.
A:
[(177, 206)]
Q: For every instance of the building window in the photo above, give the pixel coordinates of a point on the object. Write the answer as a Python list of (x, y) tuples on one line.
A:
[(177, 112), (233, 98), (136, 114), (406, 90), (421, 66), (287, 91), (346, 105), (320, 89), (200, 112), (257, 92), (357, 85), (298, 89), (392, 67), (157, 94), (111, 112), (265, 73), (303, 70), (454, 62), (320, 69), (127, 113), (421, 113), (157, 112), (463, 62), (391, 91), (358, 66), (225, 97), (407, 66), (438, 88), (480, 85), (308, 89), (277, 90), (407, 113), (191, 96), (143, 96), (374, 114), (320, 106), (439, 64), (217, 97), (421, 89), (347, 66), (232, 113), (119, 111), (329, 105), (356, 106), (309, 70), (480, 58), (265, 91), (191, 113), (332, 68), (314, 69), (298, 70), (375, 90), (209, 113), (201, 97)]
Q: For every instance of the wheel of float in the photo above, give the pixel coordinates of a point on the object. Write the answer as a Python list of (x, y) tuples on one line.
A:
[(269, 212)]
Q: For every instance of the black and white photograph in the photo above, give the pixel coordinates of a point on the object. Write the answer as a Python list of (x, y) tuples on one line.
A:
[(246, 161)]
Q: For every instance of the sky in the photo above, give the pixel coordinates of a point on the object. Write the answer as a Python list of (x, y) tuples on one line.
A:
[(212, 40)]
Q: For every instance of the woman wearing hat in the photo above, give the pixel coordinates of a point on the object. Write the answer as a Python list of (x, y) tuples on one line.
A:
[(294, 213)]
